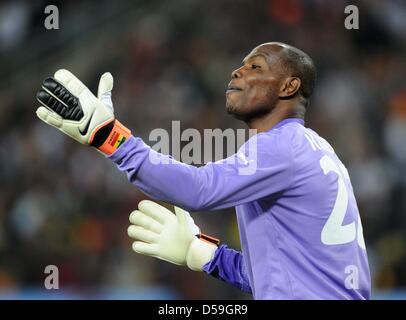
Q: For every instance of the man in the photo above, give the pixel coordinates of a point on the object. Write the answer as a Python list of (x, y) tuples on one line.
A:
[(299, 224)]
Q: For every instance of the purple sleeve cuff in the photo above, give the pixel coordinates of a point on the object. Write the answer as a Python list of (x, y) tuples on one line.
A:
[(228, 266)]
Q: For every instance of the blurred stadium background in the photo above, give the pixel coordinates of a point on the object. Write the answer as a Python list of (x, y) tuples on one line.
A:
[(62, 204)]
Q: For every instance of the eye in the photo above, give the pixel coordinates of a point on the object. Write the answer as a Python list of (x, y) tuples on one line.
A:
[(255, 66)]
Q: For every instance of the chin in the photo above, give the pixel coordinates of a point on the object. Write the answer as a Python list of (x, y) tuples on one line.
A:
[(231, 109), (247, 115), (236, 113)]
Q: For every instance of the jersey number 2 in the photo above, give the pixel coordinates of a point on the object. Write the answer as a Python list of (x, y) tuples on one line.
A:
[(334, 232)]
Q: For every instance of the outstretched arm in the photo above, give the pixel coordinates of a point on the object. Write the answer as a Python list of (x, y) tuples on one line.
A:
[(260, 168)]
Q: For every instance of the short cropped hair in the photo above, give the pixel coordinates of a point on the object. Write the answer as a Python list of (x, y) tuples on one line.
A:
[(299, 64)]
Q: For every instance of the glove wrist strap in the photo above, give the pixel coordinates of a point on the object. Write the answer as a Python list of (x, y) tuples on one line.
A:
[(118, 134), (209, 239)]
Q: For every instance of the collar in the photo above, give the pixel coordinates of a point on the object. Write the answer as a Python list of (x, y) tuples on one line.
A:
[(286, 121)]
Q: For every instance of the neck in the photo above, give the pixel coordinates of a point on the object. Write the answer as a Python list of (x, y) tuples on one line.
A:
[(278, 114)]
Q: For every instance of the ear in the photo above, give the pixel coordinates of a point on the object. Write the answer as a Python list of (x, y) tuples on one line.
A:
[(289, 87)]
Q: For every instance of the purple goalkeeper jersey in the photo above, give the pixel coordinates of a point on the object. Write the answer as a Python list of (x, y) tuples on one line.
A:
[(300, 229)]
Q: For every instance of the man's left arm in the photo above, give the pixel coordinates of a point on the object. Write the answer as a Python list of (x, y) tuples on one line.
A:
[(252, 173)]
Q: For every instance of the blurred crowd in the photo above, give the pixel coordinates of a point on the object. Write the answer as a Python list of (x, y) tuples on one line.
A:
[(62, 204)]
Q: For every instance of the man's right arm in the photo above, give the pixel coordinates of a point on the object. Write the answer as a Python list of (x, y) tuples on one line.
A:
[(175, 238)]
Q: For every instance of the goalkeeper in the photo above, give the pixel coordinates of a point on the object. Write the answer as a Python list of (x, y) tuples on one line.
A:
[(300, 229)]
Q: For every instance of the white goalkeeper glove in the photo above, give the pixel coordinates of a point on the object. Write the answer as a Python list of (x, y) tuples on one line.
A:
[(68, 105), (174, 238)]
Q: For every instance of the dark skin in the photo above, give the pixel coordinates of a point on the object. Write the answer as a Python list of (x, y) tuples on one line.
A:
[(261, 92)]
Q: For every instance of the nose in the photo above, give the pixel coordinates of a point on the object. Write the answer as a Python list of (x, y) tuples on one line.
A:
[(236, 73)]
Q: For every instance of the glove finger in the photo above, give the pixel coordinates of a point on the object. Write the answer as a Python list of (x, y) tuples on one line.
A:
[(55, 96), (51, 102), (156, 211), (145, 248), (142, 220), (49, 117), (104, 90), (192, 226), (105, 85), (139, 233), (70, 82), (185, 219), (182, 215)]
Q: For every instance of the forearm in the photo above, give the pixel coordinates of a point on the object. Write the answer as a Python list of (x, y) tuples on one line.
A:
[(228, 266), (168, 180), (214, 186), (159, 176)]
